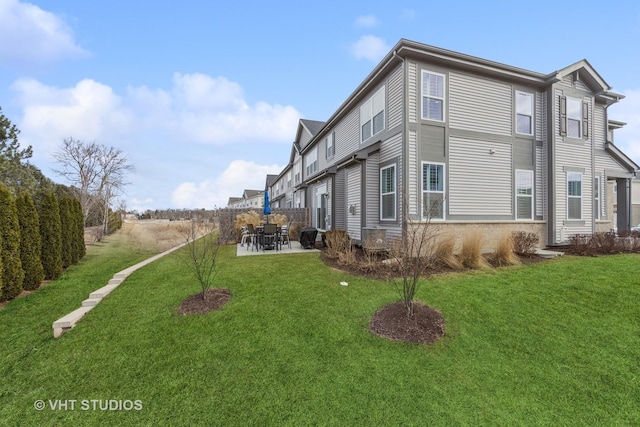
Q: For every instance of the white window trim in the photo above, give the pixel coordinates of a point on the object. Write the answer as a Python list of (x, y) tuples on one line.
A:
[(330, 149), (312, 166), (322, 192), (575, 197), (597, 197), (443, 99), (533, 191), (530, 95), (367, 113), (444, 187), (579, 118), (394, 192)]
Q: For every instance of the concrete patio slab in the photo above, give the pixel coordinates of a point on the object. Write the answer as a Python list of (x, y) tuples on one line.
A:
[(296, 248)]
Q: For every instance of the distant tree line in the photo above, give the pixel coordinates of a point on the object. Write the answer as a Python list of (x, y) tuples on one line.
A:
[(41, 222)]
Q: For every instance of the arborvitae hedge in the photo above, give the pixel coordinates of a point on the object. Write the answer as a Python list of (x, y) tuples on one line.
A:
[(12, 273), (30, 242), (66, 224), (51, 237), (80, 248)]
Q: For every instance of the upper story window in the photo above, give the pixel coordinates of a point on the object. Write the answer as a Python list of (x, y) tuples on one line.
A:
[(331, 148), (388, 192), (433, 96), (524, 113), (372, 115), (312, 161), (296, 172), (289, 179), (574, 118)]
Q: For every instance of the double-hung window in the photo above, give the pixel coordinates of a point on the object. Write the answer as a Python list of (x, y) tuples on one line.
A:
[(296, 172), (331, 148), (524, 113), (388, 193), (574, 118), (372, 115), (524, 194), (596, 197), (312, 162), (289, 179), (432, 191), (574, 195), (433, 96)]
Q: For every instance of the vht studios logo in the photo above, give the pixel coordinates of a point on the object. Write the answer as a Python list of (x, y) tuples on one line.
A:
[(88, 405)]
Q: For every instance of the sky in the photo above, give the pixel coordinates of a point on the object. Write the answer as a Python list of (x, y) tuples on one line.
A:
[(204, 97)]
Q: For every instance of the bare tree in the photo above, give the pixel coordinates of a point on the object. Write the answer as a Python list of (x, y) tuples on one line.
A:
[(96, 173), (201, 250), (412, 254)]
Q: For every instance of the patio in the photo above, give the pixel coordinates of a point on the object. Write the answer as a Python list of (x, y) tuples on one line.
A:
[(296, 248)]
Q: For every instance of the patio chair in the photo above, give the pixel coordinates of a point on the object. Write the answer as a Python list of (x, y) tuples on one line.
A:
[(270, 237), (252, 236), (284, 235)]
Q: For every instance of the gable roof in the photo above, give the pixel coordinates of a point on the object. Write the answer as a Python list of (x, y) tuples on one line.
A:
[(248, 194), (270, 180), (310, 126)]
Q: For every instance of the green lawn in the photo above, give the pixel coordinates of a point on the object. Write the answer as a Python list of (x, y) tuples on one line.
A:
[(555, 343)]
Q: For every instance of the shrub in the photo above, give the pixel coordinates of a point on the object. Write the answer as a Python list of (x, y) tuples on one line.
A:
[(51, 237), (29, 242), (338, 242), (524, 243), (605, 243), (504, 253), (581, 244), (12, 272), (471, 254), (444, 253)]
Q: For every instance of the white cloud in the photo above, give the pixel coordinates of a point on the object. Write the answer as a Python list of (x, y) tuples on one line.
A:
[(87, 111), (31, 35), (239, 175), (198, 108), (370, 47), (212, 110), (628, 111), (408, 14), (366, 21)]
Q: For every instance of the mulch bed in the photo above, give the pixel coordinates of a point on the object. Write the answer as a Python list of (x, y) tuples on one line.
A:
[(391, 321), (214, 299)]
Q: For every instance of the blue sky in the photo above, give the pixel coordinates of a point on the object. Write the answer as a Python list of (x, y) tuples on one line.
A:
[(204, 96)]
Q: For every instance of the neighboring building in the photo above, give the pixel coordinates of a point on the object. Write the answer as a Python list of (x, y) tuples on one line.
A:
[(466, 143), (234, 202), (288, 188), (251, 199)]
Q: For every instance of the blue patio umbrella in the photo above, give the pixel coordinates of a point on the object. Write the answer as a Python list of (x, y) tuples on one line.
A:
[(267, 208)]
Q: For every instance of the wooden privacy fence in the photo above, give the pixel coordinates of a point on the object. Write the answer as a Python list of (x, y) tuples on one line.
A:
[(299, 217)]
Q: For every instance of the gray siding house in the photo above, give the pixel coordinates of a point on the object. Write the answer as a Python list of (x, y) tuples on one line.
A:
[(465, 143)]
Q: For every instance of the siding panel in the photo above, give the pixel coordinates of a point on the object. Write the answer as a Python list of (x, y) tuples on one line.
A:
[(413, 92), (353, 199), (479, 104), (394, 98), (372, 170), (479, 182), (340, 221), (599, 127), (348, 134)]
